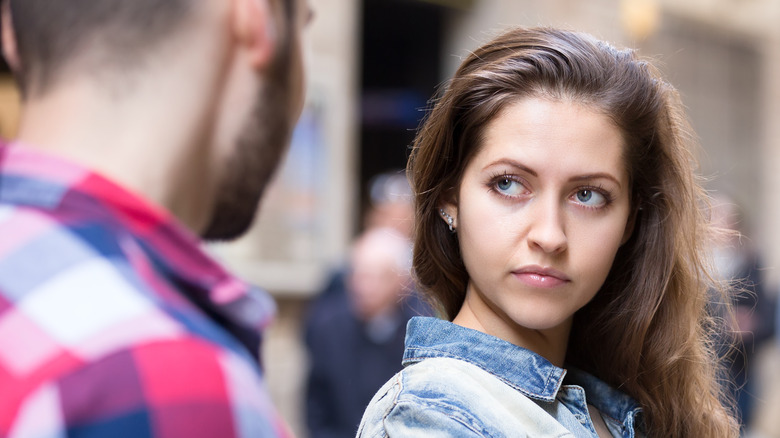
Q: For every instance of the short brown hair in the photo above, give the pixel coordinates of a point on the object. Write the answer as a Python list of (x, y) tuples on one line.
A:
[(50, 33)]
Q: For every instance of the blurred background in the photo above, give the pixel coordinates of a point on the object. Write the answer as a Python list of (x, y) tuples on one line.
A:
[(373, 65)]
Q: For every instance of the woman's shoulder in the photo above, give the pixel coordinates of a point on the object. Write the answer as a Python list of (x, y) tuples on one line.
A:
[(456, 397)]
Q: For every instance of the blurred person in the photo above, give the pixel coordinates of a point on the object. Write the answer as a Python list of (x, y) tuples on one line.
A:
[(765, 381), (333, 409), (391, 203), (737, 265), (561, 230), (145, 124), (765, 423), (356, 346)]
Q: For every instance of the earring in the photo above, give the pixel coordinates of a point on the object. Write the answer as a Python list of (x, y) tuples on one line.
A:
[(450, 220)]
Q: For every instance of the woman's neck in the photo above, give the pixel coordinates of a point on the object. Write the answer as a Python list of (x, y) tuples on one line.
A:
[(549, 343)]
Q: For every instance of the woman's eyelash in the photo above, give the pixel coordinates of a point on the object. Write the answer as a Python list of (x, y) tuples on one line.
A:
[(497, 178), (503, 177), (507, 186), (601, 190)]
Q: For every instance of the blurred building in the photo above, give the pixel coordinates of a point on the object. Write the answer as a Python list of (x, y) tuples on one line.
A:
[(373, 66)]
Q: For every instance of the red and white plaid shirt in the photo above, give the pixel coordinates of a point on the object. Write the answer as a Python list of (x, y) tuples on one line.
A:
[(113, 321)]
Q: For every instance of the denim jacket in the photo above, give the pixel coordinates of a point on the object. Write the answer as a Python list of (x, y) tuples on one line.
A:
[(459, 382)]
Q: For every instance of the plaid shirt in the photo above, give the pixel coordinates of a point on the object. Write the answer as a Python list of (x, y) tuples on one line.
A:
[(113, 322)]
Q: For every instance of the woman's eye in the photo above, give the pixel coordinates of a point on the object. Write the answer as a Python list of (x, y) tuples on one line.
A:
[(508, 186), (590, 198)]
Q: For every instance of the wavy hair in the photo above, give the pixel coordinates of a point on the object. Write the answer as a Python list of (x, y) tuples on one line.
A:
[(648, 331)]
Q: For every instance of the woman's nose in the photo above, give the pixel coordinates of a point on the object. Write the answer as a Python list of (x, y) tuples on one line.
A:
[(547, 231)]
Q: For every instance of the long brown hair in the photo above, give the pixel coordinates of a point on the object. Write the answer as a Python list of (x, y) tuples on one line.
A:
[(648, 329)]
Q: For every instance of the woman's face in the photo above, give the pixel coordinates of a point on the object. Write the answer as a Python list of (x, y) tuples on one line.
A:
[(541, 210)]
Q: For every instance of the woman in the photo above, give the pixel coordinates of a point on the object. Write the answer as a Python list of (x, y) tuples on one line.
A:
[(561, 231)]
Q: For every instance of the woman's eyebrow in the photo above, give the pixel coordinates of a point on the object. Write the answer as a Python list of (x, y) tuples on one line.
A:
[(528, 170), (598, 175), (513, 163)]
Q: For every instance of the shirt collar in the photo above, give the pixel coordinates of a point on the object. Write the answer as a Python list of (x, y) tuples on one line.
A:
[(608, 400), (35, 179), (524, 370)]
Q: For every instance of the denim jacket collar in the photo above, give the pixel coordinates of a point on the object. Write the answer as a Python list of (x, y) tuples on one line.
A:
[(608, 400), (520, 368)]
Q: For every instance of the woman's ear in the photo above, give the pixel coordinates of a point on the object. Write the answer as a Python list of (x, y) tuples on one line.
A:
[(448, 209)]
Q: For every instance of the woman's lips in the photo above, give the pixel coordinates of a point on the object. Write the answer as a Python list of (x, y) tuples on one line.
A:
[(541, 277)]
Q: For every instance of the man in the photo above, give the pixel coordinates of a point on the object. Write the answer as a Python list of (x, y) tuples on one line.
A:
[(144, 124), (356, 339)]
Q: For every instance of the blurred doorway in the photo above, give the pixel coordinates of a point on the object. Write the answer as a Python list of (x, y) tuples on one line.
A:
[(402, 42)]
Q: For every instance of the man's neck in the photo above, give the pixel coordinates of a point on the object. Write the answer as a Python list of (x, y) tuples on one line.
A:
[(154, 138)]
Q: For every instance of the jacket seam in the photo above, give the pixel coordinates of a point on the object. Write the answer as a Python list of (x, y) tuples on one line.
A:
[(444, 409)]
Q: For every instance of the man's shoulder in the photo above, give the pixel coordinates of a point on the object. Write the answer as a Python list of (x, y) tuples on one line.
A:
[(88, 337), (69, 296), (182, 384), (36, 240), (47, 262)]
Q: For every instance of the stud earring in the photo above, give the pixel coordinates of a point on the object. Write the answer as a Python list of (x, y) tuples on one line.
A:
[(450, 220)]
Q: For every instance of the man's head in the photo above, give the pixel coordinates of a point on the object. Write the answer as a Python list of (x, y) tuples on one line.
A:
[(380, 263), (269, 124), (54, 38), (246, 74)]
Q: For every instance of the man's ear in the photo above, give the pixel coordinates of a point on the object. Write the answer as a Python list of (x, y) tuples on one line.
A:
[(10, 52), (255, 30)]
